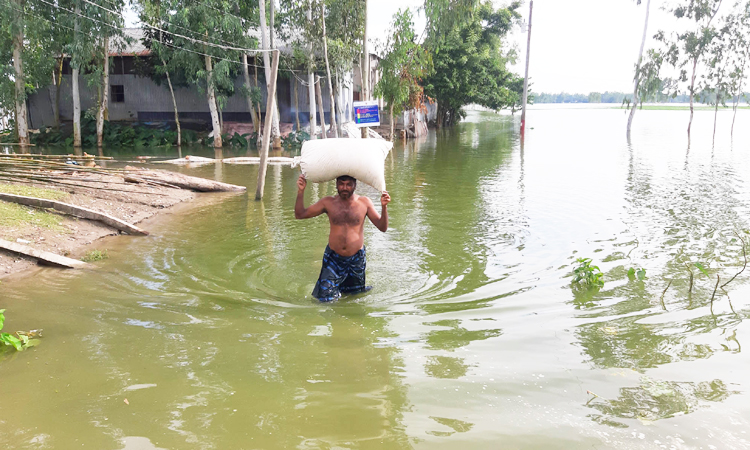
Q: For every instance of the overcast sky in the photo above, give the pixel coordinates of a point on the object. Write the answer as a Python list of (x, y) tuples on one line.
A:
[(577, 46)]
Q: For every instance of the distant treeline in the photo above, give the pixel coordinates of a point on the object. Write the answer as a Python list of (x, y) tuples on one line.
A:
[(602, 97)]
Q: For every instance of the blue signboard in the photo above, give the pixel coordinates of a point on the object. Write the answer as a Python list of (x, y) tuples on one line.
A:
[(366, 114)]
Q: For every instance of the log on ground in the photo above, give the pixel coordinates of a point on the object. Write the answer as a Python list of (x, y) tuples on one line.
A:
[(41, 256), (180, 180)]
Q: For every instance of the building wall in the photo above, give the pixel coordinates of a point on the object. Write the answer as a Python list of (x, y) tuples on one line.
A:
[(144, 100)]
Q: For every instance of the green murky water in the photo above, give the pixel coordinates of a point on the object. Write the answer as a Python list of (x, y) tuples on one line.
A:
[(472, 337)]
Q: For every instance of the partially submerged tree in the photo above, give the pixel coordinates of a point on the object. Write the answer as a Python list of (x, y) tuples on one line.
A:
[(402, 67), (465, 39), (637, 77), (693, 45)]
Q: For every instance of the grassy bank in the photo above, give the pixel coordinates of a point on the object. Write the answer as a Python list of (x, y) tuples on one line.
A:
[(13, 215)]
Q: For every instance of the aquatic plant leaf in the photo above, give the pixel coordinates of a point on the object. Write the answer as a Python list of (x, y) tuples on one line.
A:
[(641, 274), (631, 273), (702, 269)]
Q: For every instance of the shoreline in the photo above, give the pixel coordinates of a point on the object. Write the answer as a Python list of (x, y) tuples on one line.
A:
[(74, 237)]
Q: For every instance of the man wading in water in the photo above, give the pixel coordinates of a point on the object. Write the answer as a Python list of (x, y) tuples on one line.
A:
[(344, 258)]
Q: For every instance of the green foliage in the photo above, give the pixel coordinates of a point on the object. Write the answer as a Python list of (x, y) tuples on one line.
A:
[(587, 275), (115, 135), (404, 65), (470, 66), (293, 141), (639, 273), (21, 341), (95, 255)]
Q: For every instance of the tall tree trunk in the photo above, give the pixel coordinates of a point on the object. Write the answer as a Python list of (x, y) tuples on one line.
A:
[(248, 88), (322, 111), (390, 107), (212, 103), (258, 132), (267, 66), (20, 83), (105, 96), (739, 95), (76, 91), (57, 78), (365, 70), (221, 115), (276, 112), (339, 109), (174, 104), (296, 104), (716, 110), (692, 94), (311, 81), (638, 69), (328, 70)]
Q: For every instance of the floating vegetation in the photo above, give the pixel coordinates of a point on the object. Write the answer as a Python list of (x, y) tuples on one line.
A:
[(21, 341), (587, 275), (639, 274)]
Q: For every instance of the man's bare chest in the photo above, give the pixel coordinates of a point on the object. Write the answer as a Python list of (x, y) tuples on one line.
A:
[(345, 215)]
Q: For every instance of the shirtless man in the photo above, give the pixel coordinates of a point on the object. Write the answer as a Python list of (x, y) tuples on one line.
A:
[(344, 258)]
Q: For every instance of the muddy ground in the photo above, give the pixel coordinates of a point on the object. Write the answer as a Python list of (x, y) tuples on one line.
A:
[(109, 194)]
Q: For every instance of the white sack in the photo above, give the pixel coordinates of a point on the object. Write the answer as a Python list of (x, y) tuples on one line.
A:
[(327, 159)]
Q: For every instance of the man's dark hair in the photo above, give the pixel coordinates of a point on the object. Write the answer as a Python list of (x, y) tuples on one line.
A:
[(347, 178)]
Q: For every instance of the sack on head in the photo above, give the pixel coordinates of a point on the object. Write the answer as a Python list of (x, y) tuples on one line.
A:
[(327, 159)]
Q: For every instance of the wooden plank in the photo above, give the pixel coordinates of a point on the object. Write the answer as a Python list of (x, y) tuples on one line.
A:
[(42, 256), (73, 210)]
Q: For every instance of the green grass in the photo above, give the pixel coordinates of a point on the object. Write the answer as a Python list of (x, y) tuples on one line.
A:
[(13, 215), (95, 255), (30, 191)]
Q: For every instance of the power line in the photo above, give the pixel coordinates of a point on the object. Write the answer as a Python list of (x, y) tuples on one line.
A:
[(193, 40)]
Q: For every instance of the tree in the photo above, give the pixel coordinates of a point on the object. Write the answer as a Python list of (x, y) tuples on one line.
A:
[(26, 37), (328, 69), (739, 48), (692, 45), (402, 67), (208, 42), (716, 78), (637, 77), (465, 42), (266, 45), (156, 14)]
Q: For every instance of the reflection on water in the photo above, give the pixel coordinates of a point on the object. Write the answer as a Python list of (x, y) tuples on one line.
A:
[(473, 336)]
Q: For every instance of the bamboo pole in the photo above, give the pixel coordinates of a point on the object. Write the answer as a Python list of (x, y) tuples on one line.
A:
[(267, 126)]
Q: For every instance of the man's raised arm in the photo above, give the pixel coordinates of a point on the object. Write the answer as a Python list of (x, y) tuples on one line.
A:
[(379, 220), (300, 212)]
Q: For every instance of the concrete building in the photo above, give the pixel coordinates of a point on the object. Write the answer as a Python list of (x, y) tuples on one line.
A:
[(135, 97)]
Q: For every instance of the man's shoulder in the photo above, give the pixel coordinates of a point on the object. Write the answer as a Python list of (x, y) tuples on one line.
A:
[(364, 200)]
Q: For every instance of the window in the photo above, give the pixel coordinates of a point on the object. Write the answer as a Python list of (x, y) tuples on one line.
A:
[(118, 93)]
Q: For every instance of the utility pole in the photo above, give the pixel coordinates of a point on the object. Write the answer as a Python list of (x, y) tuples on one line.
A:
[(526, 77)]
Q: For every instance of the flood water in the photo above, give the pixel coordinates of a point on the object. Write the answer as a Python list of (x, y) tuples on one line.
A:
[(472, 337)]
